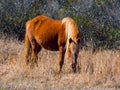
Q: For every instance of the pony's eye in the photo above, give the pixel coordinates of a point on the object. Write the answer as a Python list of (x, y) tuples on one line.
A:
[(70, 40), (78, 41)]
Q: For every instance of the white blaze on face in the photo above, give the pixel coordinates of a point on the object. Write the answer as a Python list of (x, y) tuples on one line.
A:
[(73, 47), (73, 51)]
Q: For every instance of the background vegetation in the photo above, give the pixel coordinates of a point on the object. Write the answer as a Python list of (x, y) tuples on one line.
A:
[(99, 20)]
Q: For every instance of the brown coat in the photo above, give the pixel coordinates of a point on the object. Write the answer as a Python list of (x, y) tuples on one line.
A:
[(48, 33)]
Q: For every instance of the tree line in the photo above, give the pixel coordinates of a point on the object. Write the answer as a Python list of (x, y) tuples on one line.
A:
[(98, 20)]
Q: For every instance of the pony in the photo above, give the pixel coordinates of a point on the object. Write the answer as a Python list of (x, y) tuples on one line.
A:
[(55, 35)]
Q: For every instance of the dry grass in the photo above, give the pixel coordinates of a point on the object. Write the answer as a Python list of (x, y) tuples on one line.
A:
[(95, 71)]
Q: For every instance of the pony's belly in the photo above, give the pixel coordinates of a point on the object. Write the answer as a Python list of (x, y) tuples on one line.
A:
[(53, 46), (47, 42)]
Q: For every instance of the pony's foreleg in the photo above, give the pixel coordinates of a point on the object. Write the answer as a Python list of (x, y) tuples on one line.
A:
[(61, 58)]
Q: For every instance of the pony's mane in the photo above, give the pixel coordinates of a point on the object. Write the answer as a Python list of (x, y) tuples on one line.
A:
[(71, 30)]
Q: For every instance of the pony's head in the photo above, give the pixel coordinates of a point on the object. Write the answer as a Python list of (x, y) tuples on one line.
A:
[(73, 41)]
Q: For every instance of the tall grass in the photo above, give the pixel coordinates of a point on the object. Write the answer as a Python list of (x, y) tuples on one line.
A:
[(99, 70)]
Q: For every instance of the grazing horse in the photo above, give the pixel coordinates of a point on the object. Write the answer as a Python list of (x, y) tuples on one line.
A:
[(55, 35)]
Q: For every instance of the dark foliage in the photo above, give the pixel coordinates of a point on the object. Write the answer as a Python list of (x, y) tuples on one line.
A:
[(99, 20)]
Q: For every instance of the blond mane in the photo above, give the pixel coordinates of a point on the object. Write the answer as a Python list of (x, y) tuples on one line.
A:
[(71, 30)]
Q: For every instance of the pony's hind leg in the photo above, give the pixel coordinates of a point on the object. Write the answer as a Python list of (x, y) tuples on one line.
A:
[(27, 50), (34, 57), (28, 57), (37, 50)]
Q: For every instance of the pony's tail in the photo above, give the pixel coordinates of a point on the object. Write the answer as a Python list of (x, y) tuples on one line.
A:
[(27, 49)]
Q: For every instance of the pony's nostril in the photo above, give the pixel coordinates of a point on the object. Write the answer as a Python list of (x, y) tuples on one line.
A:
[(74, 68)]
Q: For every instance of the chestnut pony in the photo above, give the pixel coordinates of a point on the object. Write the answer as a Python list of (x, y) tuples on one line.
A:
[(55, 35)]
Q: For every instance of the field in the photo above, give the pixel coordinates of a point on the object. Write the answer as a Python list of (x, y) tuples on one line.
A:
[(98, 71)]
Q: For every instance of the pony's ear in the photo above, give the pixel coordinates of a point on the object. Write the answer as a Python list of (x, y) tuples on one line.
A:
[(70, 40)]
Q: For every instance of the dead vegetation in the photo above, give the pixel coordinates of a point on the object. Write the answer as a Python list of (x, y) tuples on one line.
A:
[(100, 70)]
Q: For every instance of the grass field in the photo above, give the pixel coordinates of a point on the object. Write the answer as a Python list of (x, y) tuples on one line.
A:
[(98, 71)]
